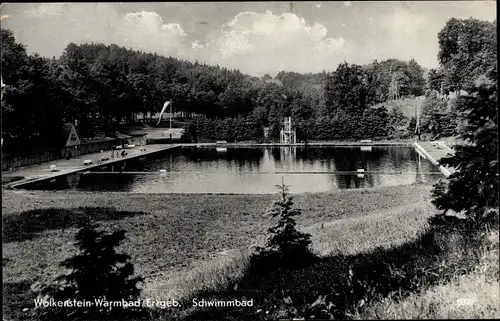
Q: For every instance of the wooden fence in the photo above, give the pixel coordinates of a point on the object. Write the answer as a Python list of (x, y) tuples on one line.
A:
[(14, 163)]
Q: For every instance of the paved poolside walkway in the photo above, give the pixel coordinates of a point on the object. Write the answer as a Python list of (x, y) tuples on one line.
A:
[(66, 166), (437, 150)]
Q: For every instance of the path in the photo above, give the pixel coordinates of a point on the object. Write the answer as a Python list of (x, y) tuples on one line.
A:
[(434, 151), (66, 166), (161, 133), (310, 144)]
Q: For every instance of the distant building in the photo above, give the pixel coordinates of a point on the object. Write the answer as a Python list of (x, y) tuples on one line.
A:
[(70, 141), (137, 138), (121, 139), (70, 135)]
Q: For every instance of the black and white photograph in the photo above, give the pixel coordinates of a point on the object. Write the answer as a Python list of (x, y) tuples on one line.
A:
[(260, 160)]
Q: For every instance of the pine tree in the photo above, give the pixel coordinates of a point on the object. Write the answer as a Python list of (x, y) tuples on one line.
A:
[(97, 272), (285, 243), (398, 123), (473, 188)]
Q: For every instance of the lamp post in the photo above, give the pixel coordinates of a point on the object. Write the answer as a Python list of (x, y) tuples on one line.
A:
[(417, 121), (170, 130)]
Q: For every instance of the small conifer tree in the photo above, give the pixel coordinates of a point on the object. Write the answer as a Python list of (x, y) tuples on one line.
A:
[(96, 273), (284, 241), (473, 188)]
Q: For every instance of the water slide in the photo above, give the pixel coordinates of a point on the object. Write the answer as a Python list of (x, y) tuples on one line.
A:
[(165, 105)]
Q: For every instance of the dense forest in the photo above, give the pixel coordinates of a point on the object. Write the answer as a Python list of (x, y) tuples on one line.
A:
[(98, 87), (468, 50)]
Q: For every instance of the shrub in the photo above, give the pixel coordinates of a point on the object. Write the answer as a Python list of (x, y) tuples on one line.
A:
[(285, 245), (449, 124), (429, 120), (229, 129), (190, 134), (97, 272), (412, 124), (473, 188), (374, 123), (398, 124)]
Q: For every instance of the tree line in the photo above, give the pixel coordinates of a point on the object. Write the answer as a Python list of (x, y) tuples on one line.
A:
[(98, 87), (467, 50)]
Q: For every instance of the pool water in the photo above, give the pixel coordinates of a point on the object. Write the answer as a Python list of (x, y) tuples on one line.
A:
[(255, 170)]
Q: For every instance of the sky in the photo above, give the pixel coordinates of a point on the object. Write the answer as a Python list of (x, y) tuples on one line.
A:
[(254, 37)]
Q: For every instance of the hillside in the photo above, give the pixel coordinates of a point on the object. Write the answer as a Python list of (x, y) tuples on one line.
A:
[(407, 105)]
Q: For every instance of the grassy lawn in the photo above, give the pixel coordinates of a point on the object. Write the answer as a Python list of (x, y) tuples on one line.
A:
[(407, 106), (181, 229), (470, 296), (189, 245)]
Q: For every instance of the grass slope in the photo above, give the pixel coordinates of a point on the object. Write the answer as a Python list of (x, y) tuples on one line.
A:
[(197, 245), (341, 285), (185, 233), (182, 229), (470, 296), (407, 105)]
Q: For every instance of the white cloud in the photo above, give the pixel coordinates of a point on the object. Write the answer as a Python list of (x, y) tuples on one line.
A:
[(146, 31), (406, 33), (265, 42), (255, 43), (196, 45), (46, 10), (62, 23)]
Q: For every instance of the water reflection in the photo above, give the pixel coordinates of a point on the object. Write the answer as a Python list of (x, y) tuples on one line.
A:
[(257, 170)]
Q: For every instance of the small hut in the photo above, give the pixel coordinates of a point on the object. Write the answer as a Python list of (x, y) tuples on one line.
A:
[(122, 139), (137, 138), (71, 141)]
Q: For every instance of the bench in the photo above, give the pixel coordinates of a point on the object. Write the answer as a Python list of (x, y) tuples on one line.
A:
[(436, 144)]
